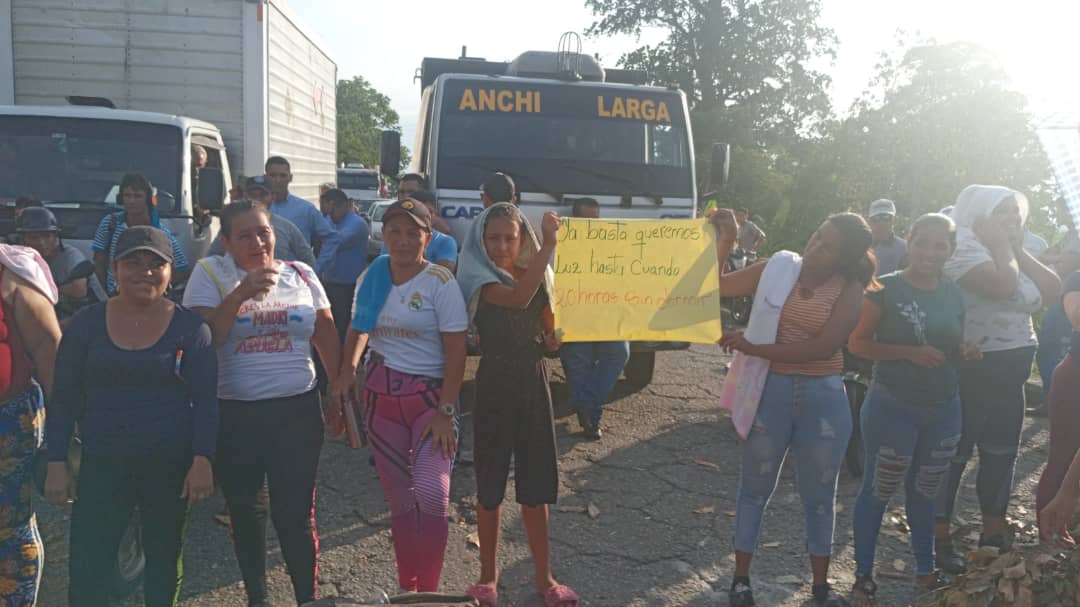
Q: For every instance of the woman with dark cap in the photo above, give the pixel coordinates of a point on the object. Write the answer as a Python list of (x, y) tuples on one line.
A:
[(137, 373), (265, 315), (411, 312), (28, 339), (140, 209)]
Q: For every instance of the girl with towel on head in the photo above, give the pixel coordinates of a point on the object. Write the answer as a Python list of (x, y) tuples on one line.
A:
[(507, 283)]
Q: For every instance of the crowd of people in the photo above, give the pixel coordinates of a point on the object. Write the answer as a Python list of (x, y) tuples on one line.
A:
[(287, 332), (945, 316)]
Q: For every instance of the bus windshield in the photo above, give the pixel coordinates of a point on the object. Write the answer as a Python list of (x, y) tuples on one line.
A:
[(564, 138)]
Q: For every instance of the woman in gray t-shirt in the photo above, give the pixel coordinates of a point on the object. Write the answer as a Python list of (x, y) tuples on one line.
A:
[(1003, 285)]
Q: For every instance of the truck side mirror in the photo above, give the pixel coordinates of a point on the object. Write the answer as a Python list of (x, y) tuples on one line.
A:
[(210, 189), (719, 165), (390, 153)]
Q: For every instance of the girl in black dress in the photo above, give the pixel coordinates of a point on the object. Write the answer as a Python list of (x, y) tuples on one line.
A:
[(513, 416)]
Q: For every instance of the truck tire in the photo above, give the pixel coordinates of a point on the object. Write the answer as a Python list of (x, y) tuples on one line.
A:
[(130, 561), (639, 369)]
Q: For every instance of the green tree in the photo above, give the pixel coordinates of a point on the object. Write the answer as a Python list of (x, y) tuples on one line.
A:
[(745, 65), (939, 117), (362, 114)]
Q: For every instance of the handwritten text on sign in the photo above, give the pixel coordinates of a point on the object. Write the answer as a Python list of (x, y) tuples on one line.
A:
[(638, 280)]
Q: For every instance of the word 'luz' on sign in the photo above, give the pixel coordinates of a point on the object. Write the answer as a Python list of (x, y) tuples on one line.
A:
[(491, 100), (613, 265), (636, 109)]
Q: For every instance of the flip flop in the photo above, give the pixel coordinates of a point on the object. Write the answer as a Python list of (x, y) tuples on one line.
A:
[(485, 594), (561, 596)]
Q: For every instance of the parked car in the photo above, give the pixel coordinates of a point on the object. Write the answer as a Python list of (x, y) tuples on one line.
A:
[(374, 217)]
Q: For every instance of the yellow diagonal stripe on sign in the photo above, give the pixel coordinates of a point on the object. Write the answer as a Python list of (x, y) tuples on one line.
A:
[(638, 280)]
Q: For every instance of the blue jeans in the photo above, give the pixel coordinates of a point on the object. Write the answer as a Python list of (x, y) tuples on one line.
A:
[(809, 416), (909, 443), (592, 368), (1055, 337)]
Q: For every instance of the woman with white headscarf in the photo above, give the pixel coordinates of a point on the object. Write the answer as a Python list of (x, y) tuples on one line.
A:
[(1003, 286)]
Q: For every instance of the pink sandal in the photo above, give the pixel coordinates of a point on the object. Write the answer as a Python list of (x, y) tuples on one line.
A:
[(561, 596), (485, 594)]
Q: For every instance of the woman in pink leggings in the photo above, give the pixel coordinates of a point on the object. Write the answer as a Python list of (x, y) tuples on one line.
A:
[(412, 315)]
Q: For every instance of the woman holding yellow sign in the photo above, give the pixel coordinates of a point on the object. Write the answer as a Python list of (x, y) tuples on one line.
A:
[(785, 388)]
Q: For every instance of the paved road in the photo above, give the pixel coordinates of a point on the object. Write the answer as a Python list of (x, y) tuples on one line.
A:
[(663, 481)]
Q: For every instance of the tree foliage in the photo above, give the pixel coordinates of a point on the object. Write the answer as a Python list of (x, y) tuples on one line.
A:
[(746, 64), (362, 114), (938, 119), (934, 119)]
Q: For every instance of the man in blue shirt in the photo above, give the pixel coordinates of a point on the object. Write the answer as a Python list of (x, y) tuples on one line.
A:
[(442, 249), (304, 215), (341, 273)]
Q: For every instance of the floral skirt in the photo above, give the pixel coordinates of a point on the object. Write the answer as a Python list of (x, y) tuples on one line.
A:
[(22, 422)]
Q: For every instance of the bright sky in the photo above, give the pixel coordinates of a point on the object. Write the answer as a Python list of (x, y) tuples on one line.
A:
[(1036, 40)]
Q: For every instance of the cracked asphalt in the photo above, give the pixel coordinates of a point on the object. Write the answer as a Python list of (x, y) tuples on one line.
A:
[(662, 484)]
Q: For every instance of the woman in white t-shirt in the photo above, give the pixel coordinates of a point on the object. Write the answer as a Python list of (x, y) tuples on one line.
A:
[(265, 315), (1003, 285), (412, 314)]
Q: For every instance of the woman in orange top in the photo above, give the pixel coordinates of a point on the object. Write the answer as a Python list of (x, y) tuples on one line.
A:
[(803, 408)]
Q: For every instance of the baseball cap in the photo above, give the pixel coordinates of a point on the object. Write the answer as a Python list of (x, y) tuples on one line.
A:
[(882, 207), (144, 238), (256, 183), (414, 209), (36, 219)]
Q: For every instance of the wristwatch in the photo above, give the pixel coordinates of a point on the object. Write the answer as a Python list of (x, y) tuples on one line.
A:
[(448, 409)]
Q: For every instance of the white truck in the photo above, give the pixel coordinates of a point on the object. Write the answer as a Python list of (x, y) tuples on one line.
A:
[(361, 184), (564, 128), (242, 78)]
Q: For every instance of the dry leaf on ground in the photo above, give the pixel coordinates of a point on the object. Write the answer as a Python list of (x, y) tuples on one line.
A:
[(593, 510)]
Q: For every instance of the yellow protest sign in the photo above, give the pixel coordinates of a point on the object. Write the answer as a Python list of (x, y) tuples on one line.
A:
[(636, 279)]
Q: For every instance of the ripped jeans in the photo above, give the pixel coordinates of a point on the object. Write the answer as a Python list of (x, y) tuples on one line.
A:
[(910, 444), (992, 400), (810, 417)]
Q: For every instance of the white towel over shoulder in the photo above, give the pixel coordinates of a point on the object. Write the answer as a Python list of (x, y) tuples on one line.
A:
[(745, 380)]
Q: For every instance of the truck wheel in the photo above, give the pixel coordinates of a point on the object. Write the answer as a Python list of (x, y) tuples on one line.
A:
[(639, 369), (130, 561)]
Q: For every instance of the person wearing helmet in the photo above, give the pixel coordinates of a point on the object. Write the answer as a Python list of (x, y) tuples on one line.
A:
[(72, 272)]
